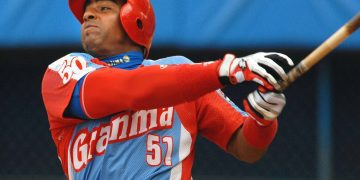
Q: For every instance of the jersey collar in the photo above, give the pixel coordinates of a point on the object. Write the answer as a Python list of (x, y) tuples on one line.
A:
[(128, 60)]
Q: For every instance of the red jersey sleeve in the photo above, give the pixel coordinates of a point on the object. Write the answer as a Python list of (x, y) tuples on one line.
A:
[(57, 88), (59, 82), (218, 120)]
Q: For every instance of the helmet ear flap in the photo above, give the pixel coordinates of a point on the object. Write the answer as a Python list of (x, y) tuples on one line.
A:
[(139, 24), (138, 20)]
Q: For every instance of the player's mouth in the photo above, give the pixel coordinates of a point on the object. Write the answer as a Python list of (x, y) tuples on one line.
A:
[(90, 26)]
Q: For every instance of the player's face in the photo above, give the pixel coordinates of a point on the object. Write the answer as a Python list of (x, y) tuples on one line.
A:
[(101, 33)]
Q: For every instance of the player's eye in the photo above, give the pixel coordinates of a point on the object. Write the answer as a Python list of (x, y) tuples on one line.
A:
[(104, 8)]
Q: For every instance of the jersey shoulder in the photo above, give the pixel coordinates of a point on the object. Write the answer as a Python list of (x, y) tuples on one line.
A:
[(168, 60), (60, 79), (73, 66)]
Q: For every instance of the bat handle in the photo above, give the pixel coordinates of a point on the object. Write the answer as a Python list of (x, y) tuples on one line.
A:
[(293, 74)]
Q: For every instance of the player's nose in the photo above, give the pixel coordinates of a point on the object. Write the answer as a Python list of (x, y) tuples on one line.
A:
[(89, 15)]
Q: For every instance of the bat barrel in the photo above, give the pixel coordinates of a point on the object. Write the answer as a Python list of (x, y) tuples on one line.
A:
[(320, 52), (353, 24)]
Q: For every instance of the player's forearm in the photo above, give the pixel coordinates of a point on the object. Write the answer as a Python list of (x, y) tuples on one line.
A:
[(242, 150), (109, 90), (250, 142)]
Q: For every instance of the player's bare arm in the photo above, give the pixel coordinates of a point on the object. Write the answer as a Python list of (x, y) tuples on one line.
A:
[(242, 150)]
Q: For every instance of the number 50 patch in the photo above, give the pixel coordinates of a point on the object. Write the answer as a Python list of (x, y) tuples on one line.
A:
[(71, 67)]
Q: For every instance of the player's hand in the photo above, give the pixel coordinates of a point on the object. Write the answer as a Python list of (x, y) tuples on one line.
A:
[(265, 69), (264, 106)]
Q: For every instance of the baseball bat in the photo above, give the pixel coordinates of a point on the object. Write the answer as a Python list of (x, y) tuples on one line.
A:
[(321, 51)]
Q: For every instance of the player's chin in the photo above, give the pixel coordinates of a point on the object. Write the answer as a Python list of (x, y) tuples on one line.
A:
[(90, 41), (90, 47), (90, 36)]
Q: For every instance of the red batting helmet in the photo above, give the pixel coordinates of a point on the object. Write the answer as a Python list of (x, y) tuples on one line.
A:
[(137, 18)]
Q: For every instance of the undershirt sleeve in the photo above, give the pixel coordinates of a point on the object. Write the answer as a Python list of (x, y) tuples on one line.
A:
[(109, 90), (74, 109), (218, 118)]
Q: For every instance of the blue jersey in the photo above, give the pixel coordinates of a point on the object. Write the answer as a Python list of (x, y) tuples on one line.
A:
[(143, 144)]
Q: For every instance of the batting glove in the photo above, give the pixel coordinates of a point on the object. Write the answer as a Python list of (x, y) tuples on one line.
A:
[(264, 106), (263, 68)]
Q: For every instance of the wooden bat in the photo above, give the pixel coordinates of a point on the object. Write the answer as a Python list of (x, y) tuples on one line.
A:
[(315, 56)]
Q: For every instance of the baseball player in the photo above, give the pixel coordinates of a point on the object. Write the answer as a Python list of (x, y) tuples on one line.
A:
[(114, 114)]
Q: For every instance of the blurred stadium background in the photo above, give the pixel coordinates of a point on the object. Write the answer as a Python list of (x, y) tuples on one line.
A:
[(319, 132)]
